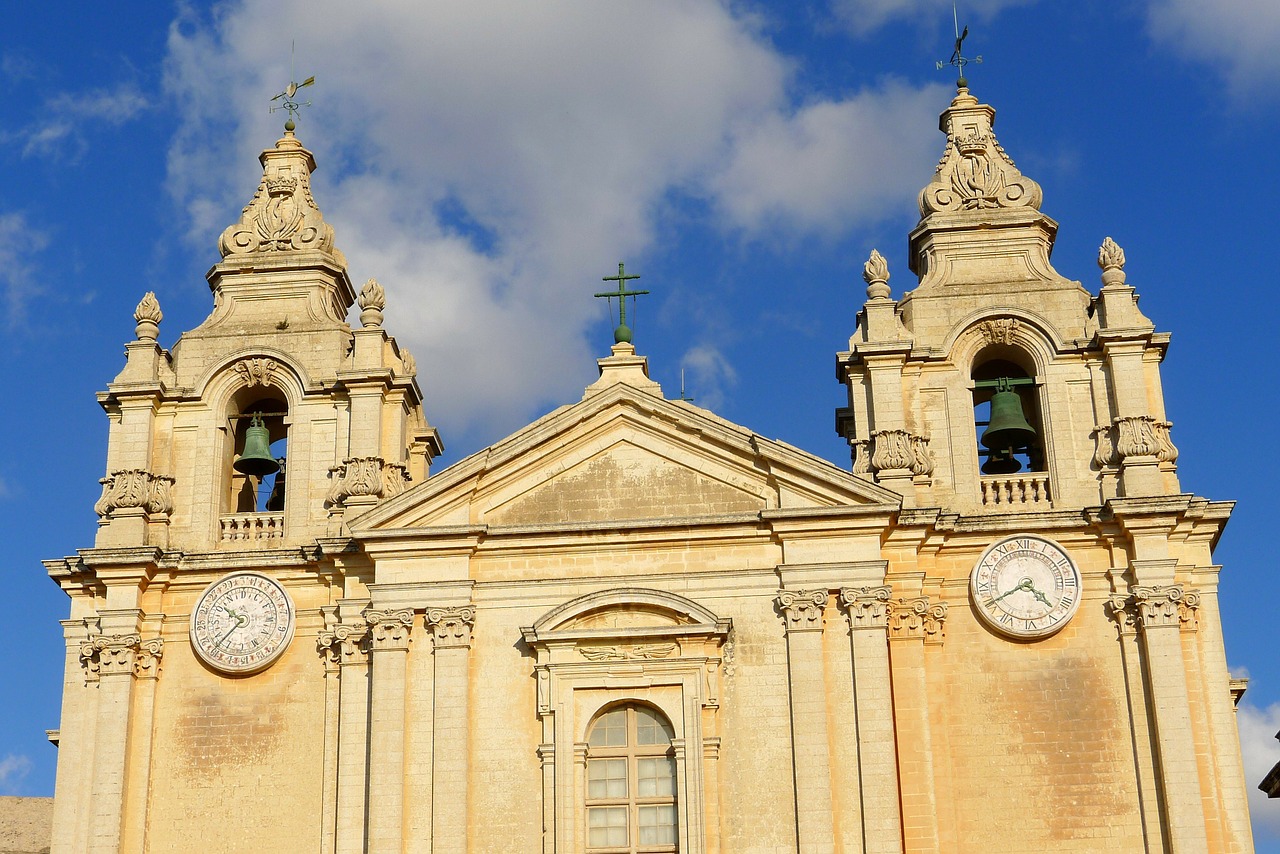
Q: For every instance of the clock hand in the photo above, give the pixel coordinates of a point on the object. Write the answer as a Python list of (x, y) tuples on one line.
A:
[(1021, 585), (1036, 593)]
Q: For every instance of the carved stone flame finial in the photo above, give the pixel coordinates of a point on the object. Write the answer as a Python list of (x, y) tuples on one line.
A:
[(148, 317), (373, 299), (876, 274), (1111, 260)]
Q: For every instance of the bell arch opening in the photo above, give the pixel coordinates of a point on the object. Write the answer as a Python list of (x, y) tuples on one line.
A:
[(259, 426), (1006, 412)]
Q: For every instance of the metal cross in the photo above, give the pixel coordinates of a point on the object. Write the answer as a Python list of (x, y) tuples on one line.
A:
[(289, 103), (958, 59), (622, 333)]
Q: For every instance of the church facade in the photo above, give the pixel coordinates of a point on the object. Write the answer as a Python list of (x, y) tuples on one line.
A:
[(632, 625)]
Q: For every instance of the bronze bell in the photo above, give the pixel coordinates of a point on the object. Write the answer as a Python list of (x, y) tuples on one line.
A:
[(1001, 462), (1008, 427), (256, 459)]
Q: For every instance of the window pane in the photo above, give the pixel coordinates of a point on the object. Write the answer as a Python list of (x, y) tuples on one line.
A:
[(651, 728), (610, 730), (655, 777), (607, 827), (658, 825), (607, 778)]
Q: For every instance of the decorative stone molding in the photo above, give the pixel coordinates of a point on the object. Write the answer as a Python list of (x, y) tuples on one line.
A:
[(257, 370), (345, 644), (1104, 447), (89, 660), (866, 607), (917, 618), (624, 652), (1162, 606), (390, 629), (147, 662), (282, 215), (976, 174), (358, 476), (1000, 330), (802, 609), (135, 488), (451, 627), (900, 449), (1166, 452), (116, 654), (876, 274), (373, 299), (1111, 260), (407, 363), (1121, 608), (1141, 436), (861, 456), (148, 316)]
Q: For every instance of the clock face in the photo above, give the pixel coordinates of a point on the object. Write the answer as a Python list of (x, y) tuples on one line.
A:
[(242, 623), (1025, 586)]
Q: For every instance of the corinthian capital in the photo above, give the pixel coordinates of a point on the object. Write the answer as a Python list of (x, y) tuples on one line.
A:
[(116, 653), (146, 664), (917, 618), (866, 607), (451, 627), (390, 629), (802, 609), (1166, 606), (345, 644)]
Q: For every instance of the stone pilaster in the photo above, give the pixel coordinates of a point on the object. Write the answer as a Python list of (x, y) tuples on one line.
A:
[(451, 635), (391, 631), (115, 656), (146, 670), (72, 797), (1162, 612), (1120, 607), (867, 609), (348, 643), (803, 617), (912, 623)]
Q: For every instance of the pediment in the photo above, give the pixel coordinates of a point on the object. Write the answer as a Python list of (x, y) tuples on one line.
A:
[(619, 455)]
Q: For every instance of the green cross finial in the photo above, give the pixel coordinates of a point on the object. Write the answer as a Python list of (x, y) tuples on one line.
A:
[(958, 59), (289, 104), (622, 333)]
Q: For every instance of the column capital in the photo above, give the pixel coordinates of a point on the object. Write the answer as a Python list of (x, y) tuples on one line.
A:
[(146, 663), (345, 644), (390, 629), (802, 609), (866, 607), (917, 618), (1170, 605), (113, 655), (1121, 608), (451, 627)]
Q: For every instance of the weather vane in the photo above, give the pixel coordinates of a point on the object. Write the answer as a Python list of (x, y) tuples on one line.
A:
[(288, 95), (623, 332), (958, 60)]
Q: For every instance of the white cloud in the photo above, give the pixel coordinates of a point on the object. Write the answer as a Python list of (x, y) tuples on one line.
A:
[(1237, 38), (488, 162), (1261, 751), (711, 376), (832, 162), (12, 771), (18, 284), (863, 16), (59, 132)]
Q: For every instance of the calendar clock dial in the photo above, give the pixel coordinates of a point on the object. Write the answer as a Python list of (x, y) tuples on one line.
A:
[(1025, 586), (242, 623)]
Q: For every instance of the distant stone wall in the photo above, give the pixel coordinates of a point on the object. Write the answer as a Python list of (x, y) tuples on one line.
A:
[(26, 825)]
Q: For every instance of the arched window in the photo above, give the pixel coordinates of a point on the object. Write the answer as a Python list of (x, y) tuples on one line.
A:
[(257, 480), (631, 781), (1006, 414)]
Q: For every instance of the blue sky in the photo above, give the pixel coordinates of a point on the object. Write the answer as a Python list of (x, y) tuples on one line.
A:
[(488, 163)]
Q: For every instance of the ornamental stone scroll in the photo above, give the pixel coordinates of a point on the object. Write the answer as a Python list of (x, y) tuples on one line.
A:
[(802, 610), (917, 618), (130, 488), (900, 450), (451, 627), (866, 607), (390, 629), (365, 476), (345, 644)]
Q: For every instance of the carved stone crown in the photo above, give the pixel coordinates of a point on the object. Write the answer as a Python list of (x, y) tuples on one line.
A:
[(281, 186)]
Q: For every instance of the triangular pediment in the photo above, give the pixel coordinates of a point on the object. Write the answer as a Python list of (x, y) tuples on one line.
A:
[(623, 454)]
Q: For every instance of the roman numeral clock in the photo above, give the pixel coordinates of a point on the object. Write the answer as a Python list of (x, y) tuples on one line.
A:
[(1025, 587)]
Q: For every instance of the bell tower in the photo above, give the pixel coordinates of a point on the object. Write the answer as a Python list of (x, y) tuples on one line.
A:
[(997, 384)]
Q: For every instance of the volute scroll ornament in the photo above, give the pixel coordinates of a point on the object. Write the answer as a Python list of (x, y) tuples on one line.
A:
[(257, 370), (802, 609), (140, 488), (975, 173), (1144, 436), (345, 644), (1168, 605), (390, 629), (866, 607), (365, 476), (917, 618), (451, 627), (902, 450)]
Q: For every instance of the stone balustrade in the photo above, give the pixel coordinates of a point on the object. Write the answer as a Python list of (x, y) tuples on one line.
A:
[(241, 527), (1029, 491)]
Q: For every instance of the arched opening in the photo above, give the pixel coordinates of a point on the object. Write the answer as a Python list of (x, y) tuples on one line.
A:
[(1006, 413), (256, 480), (631, 781)]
